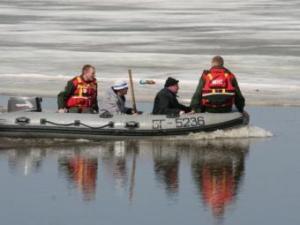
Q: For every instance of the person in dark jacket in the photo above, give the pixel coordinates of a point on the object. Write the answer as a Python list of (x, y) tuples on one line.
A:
[(218, 90), (166, 100)]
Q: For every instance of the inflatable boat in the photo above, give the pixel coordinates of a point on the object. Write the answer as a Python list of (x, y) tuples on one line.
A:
[(25, 118)]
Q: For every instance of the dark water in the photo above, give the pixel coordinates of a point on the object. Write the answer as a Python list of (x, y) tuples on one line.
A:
[(236, 181)]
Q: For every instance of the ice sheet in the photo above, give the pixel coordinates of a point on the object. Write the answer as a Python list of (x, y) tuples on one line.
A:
[(44, 43)]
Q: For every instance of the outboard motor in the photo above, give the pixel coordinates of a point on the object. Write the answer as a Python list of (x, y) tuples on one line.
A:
[(27, 104)]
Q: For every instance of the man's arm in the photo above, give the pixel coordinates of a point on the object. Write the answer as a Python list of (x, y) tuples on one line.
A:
[(96, 105), (128, 111), (239, 98), (184, 108), (164, 108), (197, 97), (65, 95)]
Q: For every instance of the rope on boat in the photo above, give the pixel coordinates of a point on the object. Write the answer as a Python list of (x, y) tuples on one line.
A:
[(110, 124), (76, 123)]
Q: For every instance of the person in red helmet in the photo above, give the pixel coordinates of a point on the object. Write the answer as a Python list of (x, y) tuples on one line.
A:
[(218, 90), (80, 94)]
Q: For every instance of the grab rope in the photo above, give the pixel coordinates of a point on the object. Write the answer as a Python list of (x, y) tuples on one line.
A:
[(76, 123)]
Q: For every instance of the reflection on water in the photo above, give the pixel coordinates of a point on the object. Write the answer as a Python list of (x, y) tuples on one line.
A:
[(166, 167), (115, 164), (217, 172), (82, 172), (25, 162), (215, 169)]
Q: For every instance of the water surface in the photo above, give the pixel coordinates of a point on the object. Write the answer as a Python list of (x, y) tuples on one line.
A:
[(180, 181)]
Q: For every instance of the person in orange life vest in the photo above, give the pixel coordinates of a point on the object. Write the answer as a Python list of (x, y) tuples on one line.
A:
[(218, 90), (80, 94)]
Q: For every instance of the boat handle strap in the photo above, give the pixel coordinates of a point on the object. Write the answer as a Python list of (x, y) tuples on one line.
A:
[(76, 123)]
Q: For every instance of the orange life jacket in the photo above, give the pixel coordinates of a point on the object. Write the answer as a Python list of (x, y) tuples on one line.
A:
[(84, 95), (218, 91)]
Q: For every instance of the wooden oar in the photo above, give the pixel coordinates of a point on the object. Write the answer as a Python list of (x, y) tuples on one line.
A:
[(132, 91), (132, 177)]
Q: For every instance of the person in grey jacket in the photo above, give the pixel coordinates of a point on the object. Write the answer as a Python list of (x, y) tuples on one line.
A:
[(114, 100)]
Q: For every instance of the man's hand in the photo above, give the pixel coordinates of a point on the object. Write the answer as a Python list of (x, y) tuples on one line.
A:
[(245, 114), (62, 110), (133, 112), (191, 112), (181, 112)]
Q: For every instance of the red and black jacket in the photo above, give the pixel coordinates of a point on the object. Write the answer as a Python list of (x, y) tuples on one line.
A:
[(79, 93)]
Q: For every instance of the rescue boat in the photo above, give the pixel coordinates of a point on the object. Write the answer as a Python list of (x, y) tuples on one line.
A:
[(25, 119)]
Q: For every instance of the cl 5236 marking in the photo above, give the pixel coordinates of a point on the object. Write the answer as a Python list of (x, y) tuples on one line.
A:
[(189, 122)]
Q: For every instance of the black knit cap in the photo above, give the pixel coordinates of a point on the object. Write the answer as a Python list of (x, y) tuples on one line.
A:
[(171, 81)]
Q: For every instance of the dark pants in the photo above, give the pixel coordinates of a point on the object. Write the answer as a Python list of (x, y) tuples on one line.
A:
[(80, 110)]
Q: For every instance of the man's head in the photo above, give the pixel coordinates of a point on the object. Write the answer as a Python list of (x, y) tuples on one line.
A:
[(217, 61), (88, 72), (120, 87), (172, 85)]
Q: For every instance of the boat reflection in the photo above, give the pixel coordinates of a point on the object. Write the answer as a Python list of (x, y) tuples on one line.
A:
[(166, 168), (81, 171), (218, 171), (27, 162), (216, 168)]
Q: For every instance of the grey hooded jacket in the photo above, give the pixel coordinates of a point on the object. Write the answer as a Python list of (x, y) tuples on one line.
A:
[(113, 103)]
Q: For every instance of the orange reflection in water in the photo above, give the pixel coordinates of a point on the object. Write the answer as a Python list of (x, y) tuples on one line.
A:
[(82, 172), (218, 174), (218, 189)]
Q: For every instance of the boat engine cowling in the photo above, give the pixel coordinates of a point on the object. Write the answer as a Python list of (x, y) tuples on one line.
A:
[(27, 104)]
